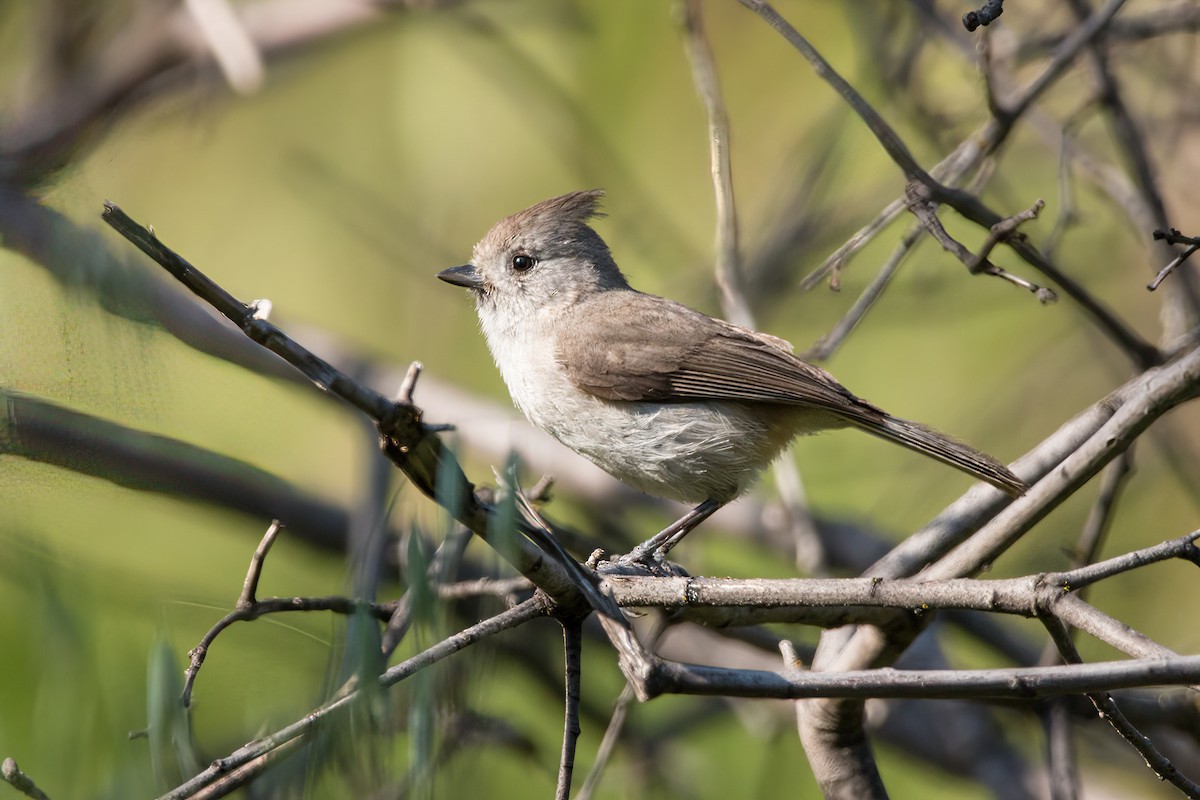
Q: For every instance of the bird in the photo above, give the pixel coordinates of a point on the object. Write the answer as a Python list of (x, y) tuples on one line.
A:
[(667, 399)]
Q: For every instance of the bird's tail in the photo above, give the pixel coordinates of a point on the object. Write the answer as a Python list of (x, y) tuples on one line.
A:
[(925, 440)]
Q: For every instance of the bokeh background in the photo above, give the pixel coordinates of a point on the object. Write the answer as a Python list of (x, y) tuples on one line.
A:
[(369, 160)]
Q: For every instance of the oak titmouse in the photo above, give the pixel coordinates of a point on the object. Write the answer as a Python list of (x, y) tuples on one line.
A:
[(668, 400)]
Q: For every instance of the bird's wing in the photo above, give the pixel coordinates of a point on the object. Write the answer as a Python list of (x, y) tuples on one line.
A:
[(633, 346)]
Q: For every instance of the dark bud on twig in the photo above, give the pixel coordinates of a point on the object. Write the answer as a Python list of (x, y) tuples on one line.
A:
[(984, 16)]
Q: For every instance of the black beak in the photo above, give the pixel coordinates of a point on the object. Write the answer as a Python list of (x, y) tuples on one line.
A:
[(465, 275)]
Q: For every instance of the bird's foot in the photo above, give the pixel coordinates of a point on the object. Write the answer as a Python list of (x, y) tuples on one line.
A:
[(653, 560)]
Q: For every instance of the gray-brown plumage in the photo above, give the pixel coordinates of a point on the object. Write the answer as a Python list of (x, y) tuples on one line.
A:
[(665, 398)]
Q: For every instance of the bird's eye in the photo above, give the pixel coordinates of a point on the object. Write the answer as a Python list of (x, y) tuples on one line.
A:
[(522, 263)]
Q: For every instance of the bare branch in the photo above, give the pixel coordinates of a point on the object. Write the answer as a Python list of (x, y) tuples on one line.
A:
[(704, 74), (1060, 753), (827, 344), (1079, 614), (1182, 306), (250, 587), (13, 776), (1109, 711), (1099, 517), (572, 648), (924, 210), (405, 392), (232, 46), (1021, 683), (608, 744), (795, 599), (968, 154), (1173, 237), (1141, 401)]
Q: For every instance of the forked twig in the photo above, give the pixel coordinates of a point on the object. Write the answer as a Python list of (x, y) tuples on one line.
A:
[(1174, 237)]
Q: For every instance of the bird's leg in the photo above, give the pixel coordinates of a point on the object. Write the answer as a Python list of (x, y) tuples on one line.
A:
[(661, 543)]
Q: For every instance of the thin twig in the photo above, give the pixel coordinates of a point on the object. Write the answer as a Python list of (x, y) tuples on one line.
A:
[(572, 651), (405, 393), (833, 263), (1082, 615), (1108, 710), (923, 208), (250, 586), (161, 49), (247, 318), (1173, 237), (608, 744), (1157, 392), (616, 721), (1182, 18), (1060, 751), (272, 605), (1001, 231), (970, 151), (1094, 528), (243, 775), (539, 530), (484, 587), (728, 267), (827, 344), (985, 15), (1064, 777), (1081, 36), (1182, 306), (12, 775), (704, 75), (1099, 517), (232, 46)]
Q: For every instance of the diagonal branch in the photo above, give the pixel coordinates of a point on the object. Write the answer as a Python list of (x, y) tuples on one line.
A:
[(1108, 710)]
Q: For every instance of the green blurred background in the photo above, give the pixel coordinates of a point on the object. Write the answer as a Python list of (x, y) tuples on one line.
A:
[(371, 161)]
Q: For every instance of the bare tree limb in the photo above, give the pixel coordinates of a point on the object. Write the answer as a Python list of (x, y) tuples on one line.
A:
[(1020, 683)]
